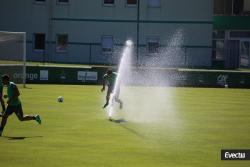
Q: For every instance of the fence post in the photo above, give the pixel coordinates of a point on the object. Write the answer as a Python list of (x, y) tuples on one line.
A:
[(185, 57), (90, 52)]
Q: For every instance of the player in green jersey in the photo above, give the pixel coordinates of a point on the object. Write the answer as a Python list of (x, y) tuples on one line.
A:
[(109, 79), (14, 104), (1, 99)]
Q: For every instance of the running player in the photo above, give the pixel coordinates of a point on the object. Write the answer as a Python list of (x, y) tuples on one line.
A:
[(1, 99), (109, 79), (14, 104)]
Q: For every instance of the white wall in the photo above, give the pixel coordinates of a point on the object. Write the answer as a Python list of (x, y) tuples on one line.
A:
[(189, 15), (179, 10)]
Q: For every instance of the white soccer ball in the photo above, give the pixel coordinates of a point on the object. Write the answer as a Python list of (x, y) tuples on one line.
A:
[(60, 99)]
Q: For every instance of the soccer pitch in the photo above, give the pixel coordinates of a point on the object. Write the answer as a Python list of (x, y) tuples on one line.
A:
[(77, 132)]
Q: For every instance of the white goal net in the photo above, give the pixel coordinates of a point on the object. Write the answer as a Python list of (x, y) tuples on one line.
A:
[(13, 55)]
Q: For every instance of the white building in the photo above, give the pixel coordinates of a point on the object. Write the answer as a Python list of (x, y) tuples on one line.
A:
[(94, 31)]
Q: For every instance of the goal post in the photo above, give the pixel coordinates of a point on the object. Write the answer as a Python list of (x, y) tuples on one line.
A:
[(13, 55)]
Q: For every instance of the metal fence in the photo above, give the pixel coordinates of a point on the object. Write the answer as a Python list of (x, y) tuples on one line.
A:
[(93, 53)]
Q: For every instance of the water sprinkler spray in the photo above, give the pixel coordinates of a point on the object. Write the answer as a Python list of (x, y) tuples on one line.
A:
[(123, 71), (129, 43)]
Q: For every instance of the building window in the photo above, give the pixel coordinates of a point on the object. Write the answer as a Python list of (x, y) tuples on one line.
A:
[(246, 7), (218, 50), (218, 45), (231, 7), (223, 7), (39, 42), (153, 45), (63, 2), (108, 2), (238, 6), (244, 54), (131, 2), (39, 1), (218, 34), (107, 44), (61, 43), (154, 3), (239, 34)]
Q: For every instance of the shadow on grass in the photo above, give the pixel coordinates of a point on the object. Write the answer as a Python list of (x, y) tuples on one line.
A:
[(121, 121), (21, 137)]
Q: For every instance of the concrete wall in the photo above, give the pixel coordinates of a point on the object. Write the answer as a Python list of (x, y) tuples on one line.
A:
[(86, 22)]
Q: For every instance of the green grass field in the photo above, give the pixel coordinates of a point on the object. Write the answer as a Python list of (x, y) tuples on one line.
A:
[(77, 132)]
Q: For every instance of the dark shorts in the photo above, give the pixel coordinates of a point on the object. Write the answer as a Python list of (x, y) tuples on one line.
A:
[(14, 109), (111, 90)]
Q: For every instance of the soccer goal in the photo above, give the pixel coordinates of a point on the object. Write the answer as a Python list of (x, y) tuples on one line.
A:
[(13, 55)]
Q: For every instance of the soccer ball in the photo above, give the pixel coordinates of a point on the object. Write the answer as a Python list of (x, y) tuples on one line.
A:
[(60, 99)]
